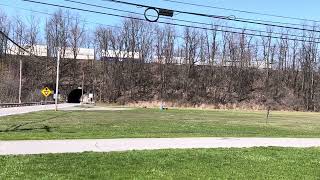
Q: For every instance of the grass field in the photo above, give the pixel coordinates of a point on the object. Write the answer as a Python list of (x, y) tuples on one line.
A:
[(153, 123), (255, 163)]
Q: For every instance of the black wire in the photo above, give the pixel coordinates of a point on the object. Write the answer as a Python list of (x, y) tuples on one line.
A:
[(266, 21), (67, 17), (182, 20), (20, 47), (90, 22), (242, 11), (7, 37), (218, 17), (23, 58), (49, 14), (100, 6), (174, 24), (277, 22)]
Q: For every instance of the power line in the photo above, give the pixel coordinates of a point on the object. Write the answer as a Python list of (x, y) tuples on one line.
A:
[(49, 14), (7, 37), (242, 11), (277, 22), (219, 17), (174, 24), (67, 17), (188, 21), (113, 26), (259, 20), (101, 6), (20, 47), (85, 21)]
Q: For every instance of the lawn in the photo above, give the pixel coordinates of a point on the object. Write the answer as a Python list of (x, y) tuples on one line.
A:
[(140, 123), (254, 163)]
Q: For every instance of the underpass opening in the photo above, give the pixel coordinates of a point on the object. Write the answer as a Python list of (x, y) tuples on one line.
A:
[(75, 96)]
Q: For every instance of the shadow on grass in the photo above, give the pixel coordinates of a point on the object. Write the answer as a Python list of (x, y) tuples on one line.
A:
[(46, 128), (17, 128)]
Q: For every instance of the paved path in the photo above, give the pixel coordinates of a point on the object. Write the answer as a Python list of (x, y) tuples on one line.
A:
[(28, 109), (110, 145)]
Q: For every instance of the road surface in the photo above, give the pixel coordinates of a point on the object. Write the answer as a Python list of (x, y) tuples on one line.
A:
[(113, 145), (29, 109)]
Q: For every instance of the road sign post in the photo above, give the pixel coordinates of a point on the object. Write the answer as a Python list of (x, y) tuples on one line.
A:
[(46, 92)]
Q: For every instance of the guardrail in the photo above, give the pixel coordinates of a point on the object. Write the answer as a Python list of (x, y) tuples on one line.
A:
[(8, 105)]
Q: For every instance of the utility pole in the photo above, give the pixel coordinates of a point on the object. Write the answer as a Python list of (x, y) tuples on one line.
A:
[(20, 81), (57, 80), (82, 91)]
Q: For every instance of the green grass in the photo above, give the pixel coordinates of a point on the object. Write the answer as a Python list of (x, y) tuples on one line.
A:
[(141, 123), (254, 163)]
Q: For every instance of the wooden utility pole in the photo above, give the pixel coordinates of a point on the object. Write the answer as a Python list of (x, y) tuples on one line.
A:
[(57, 80), (82, 91), (20, 81)]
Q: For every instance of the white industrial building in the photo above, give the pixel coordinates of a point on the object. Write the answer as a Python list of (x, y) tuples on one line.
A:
[(42, 51), (110, 55), (83, 53), (118, 54)]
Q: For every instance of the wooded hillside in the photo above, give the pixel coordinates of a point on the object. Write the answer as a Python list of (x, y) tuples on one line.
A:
[(187, 66)]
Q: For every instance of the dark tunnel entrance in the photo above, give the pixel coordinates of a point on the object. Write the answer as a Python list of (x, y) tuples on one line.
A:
[(75, 96)]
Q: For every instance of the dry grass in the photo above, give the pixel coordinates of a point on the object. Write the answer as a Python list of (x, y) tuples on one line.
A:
[(170, 104)]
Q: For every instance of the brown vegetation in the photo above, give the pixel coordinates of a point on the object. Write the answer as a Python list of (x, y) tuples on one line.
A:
[(194, 68)]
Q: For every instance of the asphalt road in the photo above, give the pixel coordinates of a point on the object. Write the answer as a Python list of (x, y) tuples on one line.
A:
[(113, 145), (29, 109)]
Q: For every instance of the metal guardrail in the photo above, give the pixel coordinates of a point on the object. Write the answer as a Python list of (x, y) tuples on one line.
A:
[(8, 105)]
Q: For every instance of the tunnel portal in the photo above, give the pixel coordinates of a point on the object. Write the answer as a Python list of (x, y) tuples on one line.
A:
[(75, 96)]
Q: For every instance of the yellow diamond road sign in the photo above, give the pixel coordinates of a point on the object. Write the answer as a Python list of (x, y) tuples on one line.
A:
[(46, 92)]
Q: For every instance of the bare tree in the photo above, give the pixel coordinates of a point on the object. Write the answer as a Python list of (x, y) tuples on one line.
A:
[(57, 33), (33, 34), (76, 35), (5, 29)]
